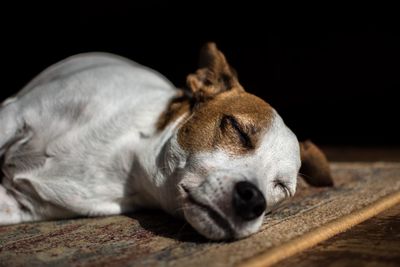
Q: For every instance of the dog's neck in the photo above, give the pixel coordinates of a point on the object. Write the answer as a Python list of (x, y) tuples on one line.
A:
[(161, 157), (179, 106)]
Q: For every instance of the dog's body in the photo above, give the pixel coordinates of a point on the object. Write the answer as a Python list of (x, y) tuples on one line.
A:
[(97, 134)]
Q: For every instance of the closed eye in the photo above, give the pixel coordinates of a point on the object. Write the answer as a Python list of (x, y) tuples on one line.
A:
[(282, 186), (243, 136)]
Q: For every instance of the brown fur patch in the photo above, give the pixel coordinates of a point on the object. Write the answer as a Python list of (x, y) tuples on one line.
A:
[(223, 116), (314, 165), (211, 126), (177, 107), (214, 76)]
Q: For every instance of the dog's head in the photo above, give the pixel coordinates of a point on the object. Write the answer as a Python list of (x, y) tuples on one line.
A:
[(240, 159)]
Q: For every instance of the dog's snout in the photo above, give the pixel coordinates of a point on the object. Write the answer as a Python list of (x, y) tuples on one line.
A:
[(248, 201)]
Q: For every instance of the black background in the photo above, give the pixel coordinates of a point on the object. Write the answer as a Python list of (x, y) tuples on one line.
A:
[(331, 72)]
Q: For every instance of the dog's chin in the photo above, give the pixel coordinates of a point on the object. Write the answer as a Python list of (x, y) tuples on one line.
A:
[(213, 225), (206, 223)]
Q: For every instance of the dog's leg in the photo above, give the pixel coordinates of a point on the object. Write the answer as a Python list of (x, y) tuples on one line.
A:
[(18, 205), (11, 211)]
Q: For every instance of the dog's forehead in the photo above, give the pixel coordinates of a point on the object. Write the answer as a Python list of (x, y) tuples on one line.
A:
[(202, 133), (241, 104)]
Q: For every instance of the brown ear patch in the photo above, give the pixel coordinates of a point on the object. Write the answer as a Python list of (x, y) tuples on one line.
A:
[(314, 165), (214, 76), (222, 116)]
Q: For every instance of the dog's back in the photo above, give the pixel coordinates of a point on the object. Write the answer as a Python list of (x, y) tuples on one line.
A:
[(82, 118)]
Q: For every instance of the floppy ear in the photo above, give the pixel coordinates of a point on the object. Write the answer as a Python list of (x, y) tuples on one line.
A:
[(214, 75), (314, 165)]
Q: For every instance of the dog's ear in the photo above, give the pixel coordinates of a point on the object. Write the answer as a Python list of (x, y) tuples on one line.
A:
[(214, 75), (314, 165)]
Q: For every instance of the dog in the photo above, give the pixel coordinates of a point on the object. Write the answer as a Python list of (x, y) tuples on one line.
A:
[(97, 134)]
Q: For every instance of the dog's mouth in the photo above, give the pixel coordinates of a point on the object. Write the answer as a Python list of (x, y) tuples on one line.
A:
[(213, 215)]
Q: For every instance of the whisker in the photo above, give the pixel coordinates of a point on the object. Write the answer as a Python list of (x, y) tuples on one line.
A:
[(179, 209), (180, 230), (305, 175)]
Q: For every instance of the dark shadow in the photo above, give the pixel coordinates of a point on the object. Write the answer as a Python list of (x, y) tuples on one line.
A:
[(162, 224)]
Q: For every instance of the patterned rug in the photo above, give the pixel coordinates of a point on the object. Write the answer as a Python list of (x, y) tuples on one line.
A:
[(155, 239)]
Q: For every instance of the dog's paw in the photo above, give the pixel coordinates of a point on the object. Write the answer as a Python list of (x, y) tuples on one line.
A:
[(9, 208)]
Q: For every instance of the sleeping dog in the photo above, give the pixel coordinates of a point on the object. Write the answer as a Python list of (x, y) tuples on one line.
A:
[(97, 134)]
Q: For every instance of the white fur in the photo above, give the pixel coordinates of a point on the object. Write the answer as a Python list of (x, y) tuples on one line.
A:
[(81, 139)]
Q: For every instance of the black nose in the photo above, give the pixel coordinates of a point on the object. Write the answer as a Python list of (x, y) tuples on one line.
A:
[(248, 201)]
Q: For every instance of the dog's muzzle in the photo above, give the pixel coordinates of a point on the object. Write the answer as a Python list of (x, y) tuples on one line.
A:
[(229, 212)]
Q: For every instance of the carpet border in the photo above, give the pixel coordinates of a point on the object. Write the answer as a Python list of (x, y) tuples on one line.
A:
[(322, 233)]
